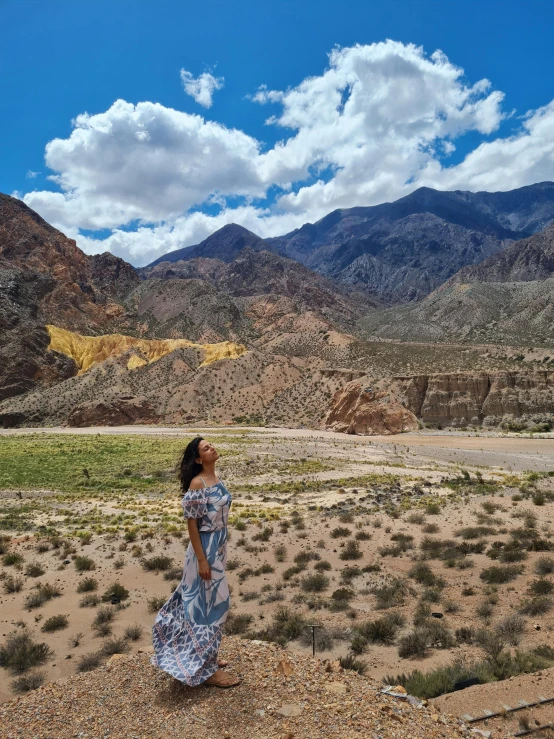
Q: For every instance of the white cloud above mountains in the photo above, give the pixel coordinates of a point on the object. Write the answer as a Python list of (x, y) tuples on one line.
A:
[(201, 88), (375, 125)]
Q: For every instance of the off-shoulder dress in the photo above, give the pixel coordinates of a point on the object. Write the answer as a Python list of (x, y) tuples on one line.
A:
[(188, 628)]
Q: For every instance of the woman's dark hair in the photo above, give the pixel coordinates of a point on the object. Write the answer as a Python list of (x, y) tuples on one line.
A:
[(188, 466)]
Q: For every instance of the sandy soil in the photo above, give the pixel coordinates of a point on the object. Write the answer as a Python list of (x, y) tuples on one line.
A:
[(413, 461)]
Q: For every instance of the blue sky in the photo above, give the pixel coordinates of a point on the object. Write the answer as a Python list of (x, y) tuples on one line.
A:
[(208, 90)]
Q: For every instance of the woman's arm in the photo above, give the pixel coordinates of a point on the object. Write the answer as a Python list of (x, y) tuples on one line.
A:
[(204, 569)]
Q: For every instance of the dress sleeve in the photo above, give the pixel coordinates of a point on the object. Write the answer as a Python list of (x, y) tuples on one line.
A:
[(195, 503)]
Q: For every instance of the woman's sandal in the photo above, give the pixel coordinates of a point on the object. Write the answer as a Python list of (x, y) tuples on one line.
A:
[(223, 684)]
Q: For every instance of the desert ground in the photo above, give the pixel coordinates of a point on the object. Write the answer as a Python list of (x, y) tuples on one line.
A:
[(410, 554)]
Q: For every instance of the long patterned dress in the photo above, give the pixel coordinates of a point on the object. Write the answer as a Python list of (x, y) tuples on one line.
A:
[(188, 628)]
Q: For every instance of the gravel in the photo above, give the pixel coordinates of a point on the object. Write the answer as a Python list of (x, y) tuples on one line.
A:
[(282, 695)]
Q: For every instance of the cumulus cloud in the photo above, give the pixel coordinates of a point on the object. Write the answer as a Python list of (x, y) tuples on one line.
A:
[(201, 88), (144, 162), (379, 122)]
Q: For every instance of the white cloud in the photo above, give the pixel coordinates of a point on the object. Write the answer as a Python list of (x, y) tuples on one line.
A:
[(30, 175), (144, 162), (201, 88), (375, 125)]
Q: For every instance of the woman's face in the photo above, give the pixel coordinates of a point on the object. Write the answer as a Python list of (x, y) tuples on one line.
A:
[(206, 452)]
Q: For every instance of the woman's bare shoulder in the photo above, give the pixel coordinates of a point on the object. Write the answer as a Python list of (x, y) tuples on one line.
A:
[(196, 483)]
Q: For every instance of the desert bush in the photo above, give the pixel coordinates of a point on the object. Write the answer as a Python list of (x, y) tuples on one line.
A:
[(485, 610), (238, 623), (362, 536), (413, 644), (351, 550), (422, 574), (55, 623), (537, 606), (89, 600), (280, 552), (26, 683), (339, 532), (501, 574), (240, 525), (115, 646), (19, 653), (4, 544), (104, 615), (41, 595), (84, 564), (314, 583), (475, 532), (349, 572), (416, 517), (323, 565), (465, 635), (351, 663), (544, 566), (390, 595), (34, 569), (511, 628), (11, 559), (116, 591), (381, 630), (87, 585), (159, 563), (88, 662), (133, 632), (307, 556), (264, 534), (155, 603), (12, 584), (431, 528), (541, 587)]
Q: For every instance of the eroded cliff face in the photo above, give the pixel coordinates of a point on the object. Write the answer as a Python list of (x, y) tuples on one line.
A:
[(450, 399), (462, 398)]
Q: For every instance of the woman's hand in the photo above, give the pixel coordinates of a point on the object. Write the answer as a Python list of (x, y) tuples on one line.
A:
[(204, 569)]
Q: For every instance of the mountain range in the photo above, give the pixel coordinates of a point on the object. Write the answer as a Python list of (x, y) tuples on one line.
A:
[(239, 326)]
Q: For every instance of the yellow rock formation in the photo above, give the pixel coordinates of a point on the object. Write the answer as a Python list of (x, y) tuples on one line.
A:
[(89, 350)]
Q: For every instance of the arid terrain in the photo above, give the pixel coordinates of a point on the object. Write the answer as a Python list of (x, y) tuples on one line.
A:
[(365, 537)]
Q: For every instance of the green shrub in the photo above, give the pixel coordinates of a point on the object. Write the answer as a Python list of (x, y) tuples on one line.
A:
[(116, 591), (422, 574), (511, 628), (323, 565), (155, 603), (89, 600), (115, 646), (55, 623), (26, 683), (541, 587), (84, 564), (381, 630), (87, 585), (19, 653), (351, 550), (238, 623), (314, 583), (159, 563), (501, 574), (104, 615), (339, 532), (544, 566), (41, 595), (537, 606), (34, 569), (351, 663), (12, 584), (12, 558), (390, 595), (280, 552), (88, 662)]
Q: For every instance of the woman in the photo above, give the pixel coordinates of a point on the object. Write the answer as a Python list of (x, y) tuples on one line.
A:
[(188, 629)]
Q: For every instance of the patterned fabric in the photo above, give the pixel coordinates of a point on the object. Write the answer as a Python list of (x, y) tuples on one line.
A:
[(188, 628)]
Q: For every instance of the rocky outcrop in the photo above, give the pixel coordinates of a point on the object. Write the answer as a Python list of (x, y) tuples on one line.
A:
[(126, 409), (463, 398), (449, 399), (360, 408)]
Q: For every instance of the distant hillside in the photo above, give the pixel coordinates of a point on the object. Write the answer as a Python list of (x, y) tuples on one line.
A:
[(507, 298), (404, 250)]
